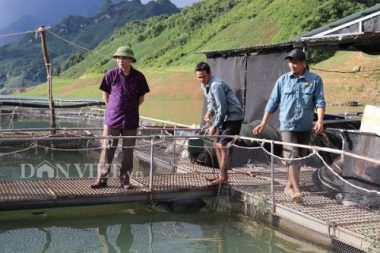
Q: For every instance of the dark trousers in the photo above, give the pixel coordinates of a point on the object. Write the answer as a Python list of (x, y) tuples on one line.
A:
[(109, 148)]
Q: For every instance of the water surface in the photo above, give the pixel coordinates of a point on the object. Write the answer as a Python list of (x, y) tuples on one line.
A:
[(140, 228)]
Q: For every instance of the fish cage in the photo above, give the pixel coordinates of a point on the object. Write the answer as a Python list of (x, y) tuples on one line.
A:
[(44, 170)]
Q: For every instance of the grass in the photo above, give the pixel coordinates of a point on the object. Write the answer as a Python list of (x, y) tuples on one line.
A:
[(343, 85), (42, 90), (176, 96)]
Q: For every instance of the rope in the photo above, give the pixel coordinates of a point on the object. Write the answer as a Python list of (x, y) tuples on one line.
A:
[(325, 183), (3, 36), (95, 148), (287, 159), (17, 151), (249, 148), (75, 45), (67, 149), (345, 72), (344, 180)]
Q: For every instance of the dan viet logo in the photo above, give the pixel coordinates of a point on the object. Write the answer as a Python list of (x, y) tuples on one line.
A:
[(47, 169)]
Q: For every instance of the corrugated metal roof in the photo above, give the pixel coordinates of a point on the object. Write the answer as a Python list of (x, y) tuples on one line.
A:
[(249, 50), (342, 21), (366, 42)]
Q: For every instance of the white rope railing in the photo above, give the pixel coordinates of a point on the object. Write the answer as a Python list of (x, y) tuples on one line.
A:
[(3, 36), (76, 45), (172, 137), (344, 180), (164, 140)]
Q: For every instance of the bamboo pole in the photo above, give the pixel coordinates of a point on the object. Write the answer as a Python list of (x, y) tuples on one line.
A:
[(41, 30)]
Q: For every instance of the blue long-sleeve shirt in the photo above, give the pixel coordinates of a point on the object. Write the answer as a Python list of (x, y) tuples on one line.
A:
[(297, 98), (222, 101)]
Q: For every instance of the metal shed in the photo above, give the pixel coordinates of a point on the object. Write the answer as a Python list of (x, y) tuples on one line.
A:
[(253, 71)]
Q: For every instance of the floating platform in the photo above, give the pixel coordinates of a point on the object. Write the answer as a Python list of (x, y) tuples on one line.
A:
[(319, 219)]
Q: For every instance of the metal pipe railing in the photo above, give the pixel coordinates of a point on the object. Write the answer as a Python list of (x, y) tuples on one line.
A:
[(151, 165), (273, 209), (54, 138), (93, 128), (174, 138), (171, 137)]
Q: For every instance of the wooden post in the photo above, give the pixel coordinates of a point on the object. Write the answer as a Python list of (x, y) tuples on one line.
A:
[(41, 30)]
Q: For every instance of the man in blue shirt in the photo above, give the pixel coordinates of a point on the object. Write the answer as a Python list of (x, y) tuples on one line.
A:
[(224, 116), (296, 93)]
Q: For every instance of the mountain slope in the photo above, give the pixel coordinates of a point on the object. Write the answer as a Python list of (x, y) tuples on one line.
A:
[(49, 12), (25, 23), (168, 47), (175, 41), (21, 64)]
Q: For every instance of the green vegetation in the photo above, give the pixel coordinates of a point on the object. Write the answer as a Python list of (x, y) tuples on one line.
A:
[(41, 90), (176, 41), (168, 41), (262, 204), (21, 64), (343, 83), (167, 48)]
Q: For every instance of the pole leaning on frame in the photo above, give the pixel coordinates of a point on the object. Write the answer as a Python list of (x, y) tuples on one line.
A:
[(41, 30)]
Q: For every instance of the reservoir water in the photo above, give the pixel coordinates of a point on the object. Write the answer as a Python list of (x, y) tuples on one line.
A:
[(140, 228)]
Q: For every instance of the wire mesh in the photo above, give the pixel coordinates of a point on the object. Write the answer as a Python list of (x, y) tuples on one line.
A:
[(180, 160)]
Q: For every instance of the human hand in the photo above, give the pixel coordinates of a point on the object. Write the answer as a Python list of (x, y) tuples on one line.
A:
[(258, 129), (318, 127), (208, 119), (212, 130)]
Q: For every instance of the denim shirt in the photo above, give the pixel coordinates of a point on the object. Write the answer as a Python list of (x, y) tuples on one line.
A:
[(297, 99), (222, 101)]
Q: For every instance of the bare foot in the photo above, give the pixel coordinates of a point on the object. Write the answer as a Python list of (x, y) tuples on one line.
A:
[(210, 179), (289, 192), (127, 186), (297, 197), (218, 181)]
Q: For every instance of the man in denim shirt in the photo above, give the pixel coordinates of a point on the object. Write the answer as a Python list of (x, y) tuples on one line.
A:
[(297, 94), (224, 113)]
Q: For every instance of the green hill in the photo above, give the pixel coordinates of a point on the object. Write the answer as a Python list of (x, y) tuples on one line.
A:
[(175, 41), (21, 64), (167, 48)]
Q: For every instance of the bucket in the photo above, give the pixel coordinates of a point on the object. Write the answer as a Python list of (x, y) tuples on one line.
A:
[(195, 146)]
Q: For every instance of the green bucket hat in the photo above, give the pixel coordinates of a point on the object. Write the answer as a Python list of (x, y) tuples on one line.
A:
[(126, 52)]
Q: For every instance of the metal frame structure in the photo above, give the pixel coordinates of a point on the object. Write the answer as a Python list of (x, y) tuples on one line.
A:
[(179, 184)]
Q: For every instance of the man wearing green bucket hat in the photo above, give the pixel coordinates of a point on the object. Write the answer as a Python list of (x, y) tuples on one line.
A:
[(123, 89), (124, 52)]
